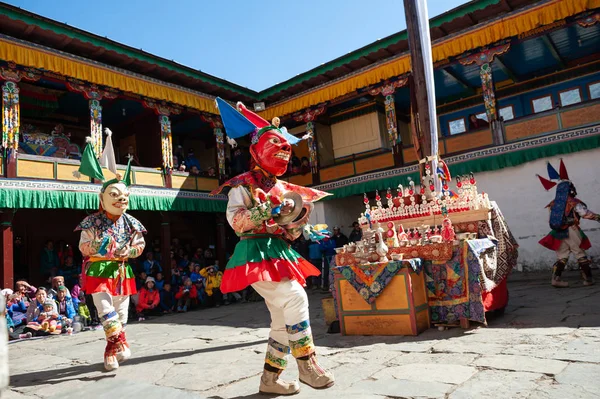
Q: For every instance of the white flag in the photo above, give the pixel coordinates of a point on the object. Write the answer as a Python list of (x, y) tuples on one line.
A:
[(107, 159)]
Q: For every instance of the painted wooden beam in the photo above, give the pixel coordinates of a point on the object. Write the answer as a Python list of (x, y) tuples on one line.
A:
[(498, 61), (552, 48), (465, 84)]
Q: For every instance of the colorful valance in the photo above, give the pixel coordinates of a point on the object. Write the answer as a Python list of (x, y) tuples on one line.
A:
[(487, 34)]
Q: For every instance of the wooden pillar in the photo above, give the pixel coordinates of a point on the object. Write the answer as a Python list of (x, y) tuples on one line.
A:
[(6, 233), (221, 241), (165, 244)]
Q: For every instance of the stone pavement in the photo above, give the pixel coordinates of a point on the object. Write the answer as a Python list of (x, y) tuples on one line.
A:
[(547, 345)]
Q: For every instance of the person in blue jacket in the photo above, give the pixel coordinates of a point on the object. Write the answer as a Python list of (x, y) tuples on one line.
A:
[(64, 303)]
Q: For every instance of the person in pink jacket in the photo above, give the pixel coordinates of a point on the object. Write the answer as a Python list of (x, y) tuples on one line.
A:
[(148, 300)]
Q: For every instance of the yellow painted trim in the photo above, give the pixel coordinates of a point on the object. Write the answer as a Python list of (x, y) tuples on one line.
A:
[(148, 179), (485, 35), (206, 184), (65, 172), (35, 169), (40, 58)]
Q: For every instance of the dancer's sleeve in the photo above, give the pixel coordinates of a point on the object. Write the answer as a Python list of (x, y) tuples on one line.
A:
[(585, 213), (88, 243), (242, 215)]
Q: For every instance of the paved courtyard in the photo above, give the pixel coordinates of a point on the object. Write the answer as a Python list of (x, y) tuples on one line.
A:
[(547, 345)]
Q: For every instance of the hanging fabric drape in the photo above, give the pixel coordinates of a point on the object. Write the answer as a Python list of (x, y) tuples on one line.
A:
[(96, 126), (10, 118), (312, 147), (220, 140), (167, 142)]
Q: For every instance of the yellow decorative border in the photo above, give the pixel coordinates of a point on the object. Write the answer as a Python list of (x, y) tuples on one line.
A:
[(493, 32)]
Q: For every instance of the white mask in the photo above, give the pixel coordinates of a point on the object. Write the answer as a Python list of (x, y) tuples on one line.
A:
[(115, 199)]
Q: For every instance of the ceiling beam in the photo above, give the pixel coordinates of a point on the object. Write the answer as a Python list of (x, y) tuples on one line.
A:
[(28, 30), (65, 42), (465, 84), (99, 52), (552, 48), (507, 71)]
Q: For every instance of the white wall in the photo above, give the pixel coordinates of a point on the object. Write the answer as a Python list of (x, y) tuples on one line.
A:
[(521, 198)]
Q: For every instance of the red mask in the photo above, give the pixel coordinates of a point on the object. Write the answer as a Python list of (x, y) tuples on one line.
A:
[(272, 153)]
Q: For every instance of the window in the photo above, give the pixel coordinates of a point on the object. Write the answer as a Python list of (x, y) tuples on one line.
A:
[(482, 115), (541, 104), (457, 126), (571, 96), (594, 90), (507, 113)]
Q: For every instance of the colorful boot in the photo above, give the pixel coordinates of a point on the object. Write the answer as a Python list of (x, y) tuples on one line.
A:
[(586, 271), (557, 270), (275, 363), (123, 351), (303, 349), (112, 329), (311, 373)]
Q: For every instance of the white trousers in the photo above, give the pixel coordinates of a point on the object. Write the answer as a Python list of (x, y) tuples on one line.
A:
[(107, 304)]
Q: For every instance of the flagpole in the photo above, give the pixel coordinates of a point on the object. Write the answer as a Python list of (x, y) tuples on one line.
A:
[(424, 109)]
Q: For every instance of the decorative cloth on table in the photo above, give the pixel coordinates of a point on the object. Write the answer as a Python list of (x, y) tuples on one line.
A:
[(370, 280), (454, 288), (498, 262)]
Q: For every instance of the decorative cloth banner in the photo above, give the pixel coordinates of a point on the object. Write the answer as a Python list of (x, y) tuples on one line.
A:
[(370, 280), (454, 288), (489, 96), (96, 126), (167, 142), (312, 147), (219, 137), (390, 117), (10, 118)]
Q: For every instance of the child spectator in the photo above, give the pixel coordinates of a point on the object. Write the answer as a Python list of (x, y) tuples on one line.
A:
[(148, 300), (185, 295), (201, 293), (84, 311), (64, 305), (159, 282), (167, 299), (212, 284), (176, 278), (195, 275), (190, 270), (75, 293)]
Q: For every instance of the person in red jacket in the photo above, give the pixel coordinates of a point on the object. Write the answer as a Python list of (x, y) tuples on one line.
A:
[(148, 300), (186, 293)]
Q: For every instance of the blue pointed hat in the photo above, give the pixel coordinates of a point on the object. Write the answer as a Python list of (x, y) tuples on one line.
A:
[(241, 121)]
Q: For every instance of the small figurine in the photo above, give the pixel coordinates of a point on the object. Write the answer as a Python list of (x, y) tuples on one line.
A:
[(448, 234)]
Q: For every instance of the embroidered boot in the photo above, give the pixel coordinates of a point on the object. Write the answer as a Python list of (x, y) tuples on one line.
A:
[(124, 353), (586, 272), (270, 383), (312, 374), (110, 356), (557, 270)]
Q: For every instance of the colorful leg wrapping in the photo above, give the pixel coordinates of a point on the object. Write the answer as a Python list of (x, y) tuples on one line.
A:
[(300, 339), (113, 330), (276, 354), (559, 267), (586, 271)]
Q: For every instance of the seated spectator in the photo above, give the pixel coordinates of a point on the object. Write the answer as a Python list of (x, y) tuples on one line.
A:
[(141, 280), (195, 275), (14, 331), (339, 237), (356, 234), (212, 172), (192, 161), (148, 300), (186, 293), (69, 270), (65, 306), (194, 171), (49, 262), (198, 257), (212, 284), (176, 279), (40, 314), (476, 123), (75, 293), (305, 167), (167, 299), (201, 292), (131, 155), (26, 290), (296, 165), (151, 266), (58, 281), (190, 270), (16, 307), (84, 311), (159, 281)]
